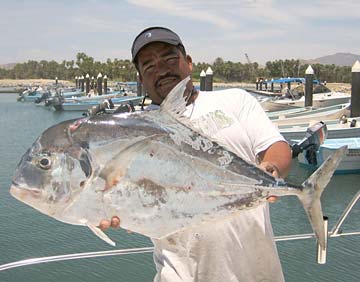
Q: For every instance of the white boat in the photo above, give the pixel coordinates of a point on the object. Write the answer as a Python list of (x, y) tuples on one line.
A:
[(319, 100), (351, 161), (33, 94), (307, 115), (84, 106), (337, 128)]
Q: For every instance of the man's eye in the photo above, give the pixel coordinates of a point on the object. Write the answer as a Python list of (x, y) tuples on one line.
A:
[(148, 68), (172, 59)]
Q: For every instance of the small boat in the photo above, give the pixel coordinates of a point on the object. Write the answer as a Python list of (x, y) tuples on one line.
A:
[(337, 128), (86, 105), (307, 115), (61, 102), (33, 94), (319, 100), (351, 161)]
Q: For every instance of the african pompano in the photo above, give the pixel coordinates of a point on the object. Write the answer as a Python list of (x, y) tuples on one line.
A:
[(153, 170)]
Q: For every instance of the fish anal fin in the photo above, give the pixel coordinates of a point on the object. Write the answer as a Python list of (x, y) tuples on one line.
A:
[(98, 232)]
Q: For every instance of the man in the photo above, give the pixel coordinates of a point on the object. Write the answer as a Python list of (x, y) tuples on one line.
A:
[(240, 248)]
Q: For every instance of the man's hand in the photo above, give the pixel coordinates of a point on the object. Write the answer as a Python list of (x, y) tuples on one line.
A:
[(114, 223), (271, 168)]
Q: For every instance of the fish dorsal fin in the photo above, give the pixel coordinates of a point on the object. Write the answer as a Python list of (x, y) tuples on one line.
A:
[(98, 232), (175, 105), (175, 102)]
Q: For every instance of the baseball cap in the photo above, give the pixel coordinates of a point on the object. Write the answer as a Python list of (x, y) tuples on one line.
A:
[(154, 34)]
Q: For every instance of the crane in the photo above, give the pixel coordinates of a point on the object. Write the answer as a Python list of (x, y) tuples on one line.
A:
[(252, 72)]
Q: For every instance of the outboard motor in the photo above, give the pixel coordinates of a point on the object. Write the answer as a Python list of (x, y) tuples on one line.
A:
[(125, 108), (108, 104), (314, 137)]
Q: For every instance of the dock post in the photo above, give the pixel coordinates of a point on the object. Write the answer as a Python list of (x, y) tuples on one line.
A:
[(105, 84), (82, 84), (76, 82), (202, 80), (99, 83), (209, 79), (309, 77), (92, 82), (355, 90), (272, 85), (87, 83), (139, 86), (289, 84)]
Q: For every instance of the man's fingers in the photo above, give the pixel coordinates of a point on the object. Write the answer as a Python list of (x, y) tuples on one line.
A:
[(272, 199), (104, 224), (115, 222)]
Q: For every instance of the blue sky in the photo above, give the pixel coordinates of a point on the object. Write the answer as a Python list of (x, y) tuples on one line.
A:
[(264, 29)]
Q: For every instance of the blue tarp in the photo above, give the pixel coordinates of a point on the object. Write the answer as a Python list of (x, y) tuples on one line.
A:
[(291, 79)]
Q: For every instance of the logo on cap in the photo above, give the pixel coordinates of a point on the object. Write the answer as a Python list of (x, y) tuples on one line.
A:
[(148, 35)]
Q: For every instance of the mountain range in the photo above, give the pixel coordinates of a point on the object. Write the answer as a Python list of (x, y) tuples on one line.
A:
[(7, 66), (339, 59)]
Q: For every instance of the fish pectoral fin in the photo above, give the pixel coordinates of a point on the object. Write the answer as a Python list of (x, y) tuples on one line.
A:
[(98, 232), (116, 168)]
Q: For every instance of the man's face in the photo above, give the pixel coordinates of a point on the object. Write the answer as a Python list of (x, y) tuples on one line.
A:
[(161, 66)]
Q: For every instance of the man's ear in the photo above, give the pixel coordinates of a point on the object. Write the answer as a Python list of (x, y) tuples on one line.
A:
[(189, 61)]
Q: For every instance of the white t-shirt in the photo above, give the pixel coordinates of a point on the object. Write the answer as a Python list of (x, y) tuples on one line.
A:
[(240, 248)]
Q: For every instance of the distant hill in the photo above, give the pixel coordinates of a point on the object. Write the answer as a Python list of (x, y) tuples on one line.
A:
[(8, 66), (339, 59)]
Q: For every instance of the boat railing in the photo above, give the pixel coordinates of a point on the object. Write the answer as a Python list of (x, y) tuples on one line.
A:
[(336, 231)]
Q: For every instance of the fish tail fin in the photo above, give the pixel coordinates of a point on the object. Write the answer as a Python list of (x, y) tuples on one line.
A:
[(312, 190)]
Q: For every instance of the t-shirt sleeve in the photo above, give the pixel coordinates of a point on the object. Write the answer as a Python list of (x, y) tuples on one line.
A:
[(261, 131)]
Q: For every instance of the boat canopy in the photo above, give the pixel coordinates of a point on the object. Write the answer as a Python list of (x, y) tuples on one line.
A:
[(290, 79)]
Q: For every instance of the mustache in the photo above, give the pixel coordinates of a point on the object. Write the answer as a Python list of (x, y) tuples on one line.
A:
[(169, 75)]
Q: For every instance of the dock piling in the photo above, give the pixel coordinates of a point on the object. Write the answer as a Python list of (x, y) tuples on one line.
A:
[(209, 79), (82, 84), (87, 83), (202, 80), (139, 86), (99, 83), (355, 90), (105, 84), (309, 76)]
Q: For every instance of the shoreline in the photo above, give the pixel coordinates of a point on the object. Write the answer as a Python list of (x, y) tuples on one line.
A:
[(19, 84)]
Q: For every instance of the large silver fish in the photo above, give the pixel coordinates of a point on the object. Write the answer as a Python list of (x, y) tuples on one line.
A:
[(153, 170)]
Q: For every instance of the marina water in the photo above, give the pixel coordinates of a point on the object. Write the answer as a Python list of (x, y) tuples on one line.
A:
[(25, 233)]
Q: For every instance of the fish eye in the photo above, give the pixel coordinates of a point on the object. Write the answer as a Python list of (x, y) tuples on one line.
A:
[(45, 163)]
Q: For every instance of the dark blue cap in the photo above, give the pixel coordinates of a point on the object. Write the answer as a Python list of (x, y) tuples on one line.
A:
[(154, 34)]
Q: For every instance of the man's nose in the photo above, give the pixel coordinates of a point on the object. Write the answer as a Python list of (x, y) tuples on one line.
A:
[(162, 67)]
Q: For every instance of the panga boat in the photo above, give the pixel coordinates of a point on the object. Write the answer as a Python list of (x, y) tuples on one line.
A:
[(84, 106), (319, 100), (351, 161), (32, 94), (307, 115), (336, 128)]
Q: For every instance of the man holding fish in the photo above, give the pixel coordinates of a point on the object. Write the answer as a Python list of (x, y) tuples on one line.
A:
[(238, 248), (185, 173)]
